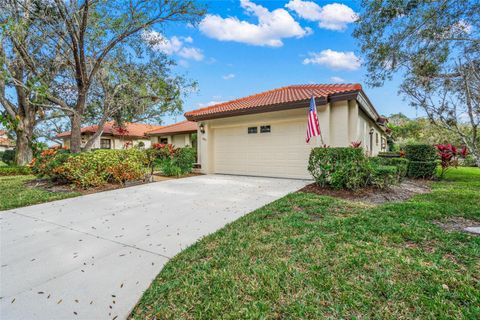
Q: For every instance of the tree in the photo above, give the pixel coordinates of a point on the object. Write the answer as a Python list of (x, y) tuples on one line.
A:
[(127, 89), (20, 89), (420, 130), (85, 33), (435, 47)]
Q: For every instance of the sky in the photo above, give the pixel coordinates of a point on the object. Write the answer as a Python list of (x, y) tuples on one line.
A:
[(243, 47)]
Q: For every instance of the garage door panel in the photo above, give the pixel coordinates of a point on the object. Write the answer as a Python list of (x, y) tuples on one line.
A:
[(279, 153)]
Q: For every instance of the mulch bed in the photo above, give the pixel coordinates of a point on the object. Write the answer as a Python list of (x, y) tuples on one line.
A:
[(401, 192)]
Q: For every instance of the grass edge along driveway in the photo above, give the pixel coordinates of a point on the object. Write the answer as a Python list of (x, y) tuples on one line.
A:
[(14, 193), (308, 256)]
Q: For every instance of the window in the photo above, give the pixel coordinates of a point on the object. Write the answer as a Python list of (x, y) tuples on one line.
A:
[(163, 140), (376, 138), (252, 130), (105, 144), (265, 129)]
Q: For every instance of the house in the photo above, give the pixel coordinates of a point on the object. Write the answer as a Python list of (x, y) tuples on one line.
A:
[(264, 134), (5, 142), (114, 137), (180, 134)]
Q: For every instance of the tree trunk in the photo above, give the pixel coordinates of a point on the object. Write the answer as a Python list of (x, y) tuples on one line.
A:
[(23, 149), (75, 133), (96, 135)]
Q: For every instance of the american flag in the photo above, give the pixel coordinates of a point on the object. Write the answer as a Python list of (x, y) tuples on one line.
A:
[(313, 129)]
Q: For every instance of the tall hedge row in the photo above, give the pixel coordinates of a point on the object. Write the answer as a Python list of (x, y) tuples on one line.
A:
[(422, 159), (348, 168)]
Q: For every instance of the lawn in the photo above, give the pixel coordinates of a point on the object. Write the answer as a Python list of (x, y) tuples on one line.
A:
[(14, 193), (312, 257)]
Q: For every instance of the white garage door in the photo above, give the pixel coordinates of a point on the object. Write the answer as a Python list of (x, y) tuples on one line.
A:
[(280, 153)]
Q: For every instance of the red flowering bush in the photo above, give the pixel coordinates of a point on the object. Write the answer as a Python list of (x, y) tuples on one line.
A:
[(47, 163), (449, 155), (355, 144)]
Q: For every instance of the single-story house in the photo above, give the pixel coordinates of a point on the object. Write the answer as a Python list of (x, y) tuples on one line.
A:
[(179, 134), (5, 142), (265, 134), (115, 137)]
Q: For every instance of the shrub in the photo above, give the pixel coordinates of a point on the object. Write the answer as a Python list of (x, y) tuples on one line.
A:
[(14, 171), (401, 164), (449, 156), (96, 168), (384, 176), (179, 163), (8, 156), (421, 169), (337, 167), (47, 162), (348, 168), (389, 154), (420, 152), (422, 160)]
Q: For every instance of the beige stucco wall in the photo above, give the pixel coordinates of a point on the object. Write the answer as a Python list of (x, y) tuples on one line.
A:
[(116, 142), (226, 146), (365, 124), (178, 140)]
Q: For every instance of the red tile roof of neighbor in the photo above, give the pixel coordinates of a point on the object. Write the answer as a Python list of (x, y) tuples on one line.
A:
[(4, 142), (180, 127), (285, 95), (136, 130), (2, 132)]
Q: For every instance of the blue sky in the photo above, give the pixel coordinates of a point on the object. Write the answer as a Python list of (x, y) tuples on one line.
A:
[(244, 47)]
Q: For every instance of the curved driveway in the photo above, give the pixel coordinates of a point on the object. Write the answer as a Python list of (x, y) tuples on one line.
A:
[(91, 257)]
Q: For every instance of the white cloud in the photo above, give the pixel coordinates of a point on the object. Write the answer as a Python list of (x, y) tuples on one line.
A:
[(173, 45), (188, 39), (228, 76), (272, 27), (334, 16), (337, 79), (183, 63), (334, 59), (191, 53), (207, 104)]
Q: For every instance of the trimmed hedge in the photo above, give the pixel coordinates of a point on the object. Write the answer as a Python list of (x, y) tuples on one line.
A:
[(337, 167), (15, 171), (420, 152), (401, 164), (422, 160), (348, 168), (389, 154), (384, 176), (421, 169)]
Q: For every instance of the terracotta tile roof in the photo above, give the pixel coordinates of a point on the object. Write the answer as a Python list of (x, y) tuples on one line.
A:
[(2, 132), (5, 142), (180, 127), (135, 130), (285, 95)]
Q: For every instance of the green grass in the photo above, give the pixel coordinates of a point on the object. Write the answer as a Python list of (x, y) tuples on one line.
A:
[(14, 193), (315, 257), (2, 164)]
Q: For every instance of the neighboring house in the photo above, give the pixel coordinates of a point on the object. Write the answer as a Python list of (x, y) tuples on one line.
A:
[(264, 134), (5, 142), (178, 134), (114, 137)]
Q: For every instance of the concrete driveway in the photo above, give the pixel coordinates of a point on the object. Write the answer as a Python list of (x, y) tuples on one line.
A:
[(91, 257)]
